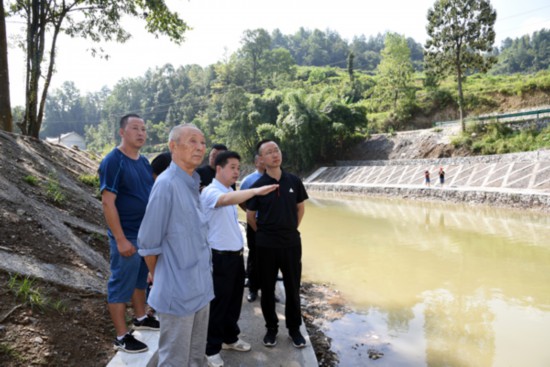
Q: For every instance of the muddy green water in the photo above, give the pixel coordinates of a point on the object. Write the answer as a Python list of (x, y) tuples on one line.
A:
[(432, 284)]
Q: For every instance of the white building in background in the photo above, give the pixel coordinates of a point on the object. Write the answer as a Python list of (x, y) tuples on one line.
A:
[(69, 140)]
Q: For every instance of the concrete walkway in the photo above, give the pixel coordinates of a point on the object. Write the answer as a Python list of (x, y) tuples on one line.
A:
[(252, 330)]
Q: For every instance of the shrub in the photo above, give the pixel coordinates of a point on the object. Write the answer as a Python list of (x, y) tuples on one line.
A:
[(25, 290), (53, 190), (90, 180), (31, 180)]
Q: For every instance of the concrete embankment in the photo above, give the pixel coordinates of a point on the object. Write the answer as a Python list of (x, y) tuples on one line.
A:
[(516, 180)]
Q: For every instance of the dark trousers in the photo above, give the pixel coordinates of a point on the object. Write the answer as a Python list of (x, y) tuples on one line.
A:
[(225, 308), (289, 261), (252, 261)]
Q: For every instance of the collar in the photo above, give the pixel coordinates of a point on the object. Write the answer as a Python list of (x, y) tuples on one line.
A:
[(190, 181), (221, 186)]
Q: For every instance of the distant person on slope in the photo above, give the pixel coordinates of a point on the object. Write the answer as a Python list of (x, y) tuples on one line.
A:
[(427, 178)]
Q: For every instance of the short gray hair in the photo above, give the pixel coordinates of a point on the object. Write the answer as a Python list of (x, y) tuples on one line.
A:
[(176, 131)]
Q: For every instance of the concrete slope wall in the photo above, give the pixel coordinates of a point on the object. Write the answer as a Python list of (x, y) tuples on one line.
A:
[(523, 178)]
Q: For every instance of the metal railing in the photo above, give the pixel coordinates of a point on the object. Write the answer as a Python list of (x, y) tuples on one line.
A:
[(516, 116)]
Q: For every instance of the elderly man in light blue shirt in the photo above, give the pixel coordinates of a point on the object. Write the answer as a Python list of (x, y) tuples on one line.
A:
[(172, 239), (226, 241)]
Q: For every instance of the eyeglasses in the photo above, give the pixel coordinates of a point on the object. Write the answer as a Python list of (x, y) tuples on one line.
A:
[(272, 151)]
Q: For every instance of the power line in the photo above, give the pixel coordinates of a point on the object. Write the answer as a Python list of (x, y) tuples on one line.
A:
[(525, 12), (532, 24)]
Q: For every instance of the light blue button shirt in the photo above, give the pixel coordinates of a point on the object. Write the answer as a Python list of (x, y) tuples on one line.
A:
[(250, 179), (224, 233), (174, 228)]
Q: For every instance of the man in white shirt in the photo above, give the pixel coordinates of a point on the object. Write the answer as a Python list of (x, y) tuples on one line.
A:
[(218, 202)]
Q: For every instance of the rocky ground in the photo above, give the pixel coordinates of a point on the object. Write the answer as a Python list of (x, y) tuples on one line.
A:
[(321, 304), (72, 328)]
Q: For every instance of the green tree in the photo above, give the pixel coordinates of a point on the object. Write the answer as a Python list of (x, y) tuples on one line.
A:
[(255, 44), (63, 112), (302, 129), (351, 56), (126, 96), (394, 90), (99, 138), (5, 104), (239, 122), (96, 20), (524, 54), (460, 35), (159, 87), (367, 52), (278, 68)]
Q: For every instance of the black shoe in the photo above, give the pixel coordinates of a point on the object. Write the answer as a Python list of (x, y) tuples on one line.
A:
[(252, 296), (148, 323), (270, 338), (297, 339), (129, 344)]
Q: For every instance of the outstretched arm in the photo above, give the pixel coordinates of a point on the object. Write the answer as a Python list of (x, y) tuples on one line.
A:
[(236, 197)]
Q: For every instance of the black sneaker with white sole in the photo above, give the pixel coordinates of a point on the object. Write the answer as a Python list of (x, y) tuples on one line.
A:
[(297, 339), (270, 338), (148, 323), (129, 344)]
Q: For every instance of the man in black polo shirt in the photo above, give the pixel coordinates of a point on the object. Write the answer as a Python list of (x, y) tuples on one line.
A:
[(278, 242)]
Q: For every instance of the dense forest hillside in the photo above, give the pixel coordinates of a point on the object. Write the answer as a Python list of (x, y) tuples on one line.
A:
[(313, 91)]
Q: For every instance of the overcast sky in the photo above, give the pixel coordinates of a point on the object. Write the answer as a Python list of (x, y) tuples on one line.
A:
[(218, 26)]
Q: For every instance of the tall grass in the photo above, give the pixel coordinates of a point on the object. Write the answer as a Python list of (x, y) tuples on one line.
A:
[(26, 291)]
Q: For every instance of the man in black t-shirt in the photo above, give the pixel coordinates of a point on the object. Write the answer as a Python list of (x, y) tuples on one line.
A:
[(278, 242)]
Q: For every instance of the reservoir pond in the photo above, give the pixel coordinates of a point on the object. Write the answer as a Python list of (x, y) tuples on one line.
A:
[(432, 284)]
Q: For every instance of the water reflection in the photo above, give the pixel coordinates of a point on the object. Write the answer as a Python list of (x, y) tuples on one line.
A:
[(437, 284)]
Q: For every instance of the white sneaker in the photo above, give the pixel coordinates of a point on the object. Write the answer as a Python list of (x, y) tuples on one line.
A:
[(215, 360), (239, 345)]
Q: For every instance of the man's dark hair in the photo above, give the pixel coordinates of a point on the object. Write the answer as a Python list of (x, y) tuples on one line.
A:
[(262, 142), (223, 157), (218, 147), (161, 162), (124, 119)]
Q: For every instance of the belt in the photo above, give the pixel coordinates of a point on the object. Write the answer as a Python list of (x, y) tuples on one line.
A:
[(218, 252)]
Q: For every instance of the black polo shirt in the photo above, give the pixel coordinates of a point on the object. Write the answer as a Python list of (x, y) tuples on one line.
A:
[(207, 175), (277, 217)]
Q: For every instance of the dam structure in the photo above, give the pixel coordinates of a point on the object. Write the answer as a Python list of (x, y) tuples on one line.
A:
[(516, 179)]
